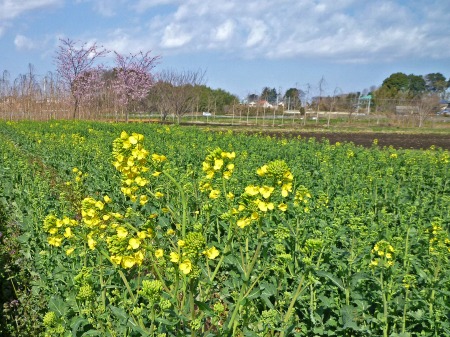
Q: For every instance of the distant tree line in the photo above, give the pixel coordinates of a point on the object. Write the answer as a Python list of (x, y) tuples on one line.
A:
[(83, 87)]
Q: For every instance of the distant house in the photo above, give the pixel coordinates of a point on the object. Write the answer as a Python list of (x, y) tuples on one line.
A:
[(260, 103)]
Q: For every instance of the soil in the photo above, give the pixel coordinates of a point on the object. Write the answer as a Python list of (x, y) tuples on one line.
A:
[(404, 141), (418, 141)]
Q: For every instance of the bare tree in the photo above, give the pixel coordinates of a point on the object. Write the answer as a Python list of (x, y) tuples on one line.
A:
[(322, 84), (427, 104), (174, 92), (337, 91)]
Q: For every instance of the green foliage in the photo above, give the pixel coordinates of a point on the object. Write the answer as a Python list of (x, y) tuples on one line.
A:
[(214, 100), (223, 234)]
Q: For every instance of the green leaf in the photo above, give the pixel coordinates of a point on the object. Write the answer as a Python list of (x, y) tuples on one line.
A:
[(167, 322), (204, 308), (358, 277), (92, 333), (348, 317), (76, 323), (337, 281), (119, 313), (24, 238), (57, 305), (266, 300), (255, 293), (268, 289)]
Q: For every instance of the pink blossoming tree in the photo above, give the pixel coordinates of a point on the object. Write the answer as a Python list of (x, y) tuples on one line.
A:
[(76, 66), (133, 78)]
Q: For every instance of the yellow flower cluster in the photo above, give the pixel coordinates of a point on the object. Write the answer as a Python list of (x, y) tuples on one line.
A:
[(131, 161), (256, 200), (217, 164), (439, 243), (279, 174), (302, 198), (58, 230), (127, 248), (383, 255)]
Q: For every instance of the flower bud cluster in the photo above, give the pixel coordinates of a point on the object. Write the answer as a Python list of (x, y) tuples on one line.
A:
[(151, 290), (53, 326), (279, 175), (190, 251)]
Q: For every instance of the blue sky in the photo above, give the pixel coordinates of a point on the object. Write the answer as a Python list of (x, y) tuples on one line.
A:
[(242, 45)]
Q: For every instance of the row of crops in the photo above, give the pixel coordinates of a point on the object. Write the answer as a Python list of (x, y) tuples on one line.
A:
[(149, 230)]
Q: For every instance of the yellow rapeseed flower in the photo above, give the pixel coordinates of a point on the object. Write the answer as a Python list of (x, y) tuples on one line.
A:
[(158, 158), (218, 163), (252, 190), (68, 232), (53, 231), (124, 135), (128, 262), (186, 266), (126, 144), (142, 235), (134, 243), (122, 232), (159, 195), (116, 259), (264, 206), (92, 243), (242, 223), (69, 251), (55, 240), (214, 194), (211, 253), (266, 191), (262, 170), (282, 207), (100, 205), (159, 253), (143, 200), (174, 257), (133, 140)]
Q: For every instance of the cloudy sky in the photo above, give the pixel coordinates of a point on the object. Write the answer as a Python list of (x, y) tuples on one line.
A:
[(242, 45)]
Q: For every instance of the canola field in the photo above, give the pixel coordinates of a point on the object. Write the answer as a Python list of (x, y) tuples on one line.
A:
[(152, 230)]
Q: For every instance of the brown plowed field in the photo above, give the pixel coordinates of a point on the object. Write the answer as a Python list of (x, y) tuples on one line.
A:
[(405, 141)]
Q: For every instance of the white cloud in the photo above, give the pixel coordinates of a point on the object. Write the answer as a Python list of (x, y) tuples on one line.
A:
[(175, 36), (224, 31), (10, 9), (105, 8), (339, 30), (144, 5), (258, 33), (23, 43)]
